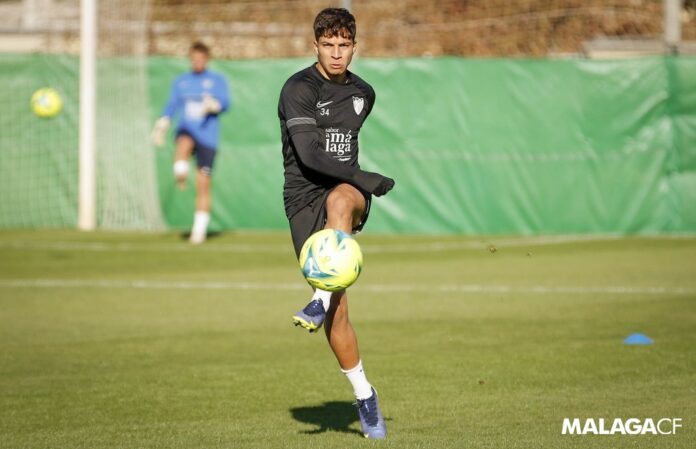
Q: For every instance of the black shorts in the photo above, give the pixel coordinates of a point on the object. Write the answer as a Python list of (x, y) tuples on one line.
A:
[(312, 218), (205, 156)]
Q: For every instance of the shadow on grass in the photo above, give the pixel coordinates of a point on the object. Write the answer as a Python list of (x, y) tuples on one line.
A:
[(336, 416), (185, 235)]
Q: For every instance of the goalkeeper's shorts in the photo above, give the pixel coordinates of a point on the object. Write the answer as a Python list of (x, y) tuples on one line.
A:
[(312, 218), (205, 155)]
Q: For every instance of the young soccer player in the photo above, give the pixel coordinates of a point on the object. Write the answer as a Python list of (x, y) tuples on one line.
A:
[(321, 111), (200, 96)]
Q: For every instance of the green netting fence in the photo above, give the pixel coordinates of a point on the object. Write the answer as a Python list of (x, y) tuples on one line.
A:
[(476, 146)]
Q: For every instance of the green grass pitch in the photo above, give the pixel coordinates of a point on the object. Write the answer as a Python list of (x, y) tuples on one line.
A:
[(113, 340)]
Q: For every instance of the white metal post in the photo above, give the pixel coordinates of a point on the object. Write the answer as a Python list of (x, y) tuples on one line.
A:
[(672, 11), (347, 4), (87, 207)]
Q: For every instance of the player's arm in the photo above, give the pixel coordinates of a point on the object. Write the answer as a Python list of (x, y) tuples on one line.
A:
[(297, 103), (224, 95), (159, 131), (219, 100), (173, 102), (371, 98), (310, 154)]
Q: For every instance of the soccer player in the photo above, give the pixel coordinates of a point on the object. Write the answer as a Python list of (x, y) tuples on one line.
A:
[(321, 111), (200, 96)]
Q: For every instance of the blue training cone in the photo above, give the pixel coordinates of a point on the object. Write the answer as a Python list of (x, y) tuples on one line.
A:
[(638, 339)]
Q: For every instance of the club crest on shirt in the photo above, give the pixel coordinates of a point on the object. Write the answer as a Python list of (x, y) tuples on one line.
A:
[(207, 83), (358, 104)]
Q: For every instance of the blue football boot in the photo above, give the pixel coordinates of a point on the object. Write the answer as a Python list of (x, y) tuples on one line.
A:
[(312, 316), (371, 418)]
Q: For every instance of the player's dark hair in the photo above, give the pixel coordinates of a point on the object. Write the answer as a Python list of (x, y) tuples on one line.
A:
[(333, 22), (200, 47)]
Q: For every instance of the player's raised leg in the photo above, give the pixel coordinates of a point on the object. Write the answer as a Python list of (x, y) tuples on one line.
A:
[(345, 206), (182, 154)]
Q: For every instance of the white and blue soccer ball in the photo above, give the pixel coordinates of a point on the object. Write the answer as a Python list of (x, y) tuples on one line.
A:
[(331, 260)]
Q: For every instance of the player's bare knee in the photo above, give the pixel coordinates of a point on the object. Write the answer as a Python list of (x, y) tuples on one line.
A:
[(338, 206), (346, 200)]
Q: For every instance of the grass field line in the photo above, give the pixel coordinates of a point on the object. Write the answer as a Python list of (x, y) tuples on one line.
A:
[(374, 288), (443, 245)]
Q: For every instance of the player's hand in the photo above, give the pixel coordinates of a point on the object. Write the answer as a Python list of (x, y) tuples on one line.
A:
[(159, 131), (211, 105), (384, 186), (374, 183)]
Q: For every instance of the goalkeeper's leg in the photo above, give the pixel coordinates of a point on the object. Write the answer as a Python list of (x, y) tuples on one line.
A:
[(202, 217), (205, 156), (184, 148)]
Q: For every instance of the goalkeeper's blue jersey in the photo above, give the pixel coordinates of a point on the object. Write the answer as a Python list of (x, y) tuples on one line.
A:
[(186, 102)]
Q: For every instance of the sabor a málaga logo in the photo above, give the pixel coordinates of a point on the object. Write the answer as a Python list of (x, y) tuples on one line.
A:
[(619, 426), (338, 143)]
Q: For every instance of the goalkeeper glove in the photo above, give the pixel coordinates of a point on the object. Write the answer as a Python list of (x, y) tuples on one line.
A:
[(211, 105), (159, 132)]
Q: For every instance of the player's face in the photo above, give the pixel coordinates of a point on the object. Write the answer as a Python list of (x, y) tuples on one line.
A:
[(199, 61), (334, 55)]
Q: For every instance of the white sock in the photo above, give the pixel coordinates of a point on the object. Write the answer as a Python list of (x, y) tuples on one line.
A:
[(200, 225), (324, 296), (356, 376), (181, 169)]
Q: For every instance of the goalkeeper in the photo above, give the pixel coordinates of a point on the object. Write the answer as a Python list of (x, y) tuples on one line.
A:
[(199, 96)]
